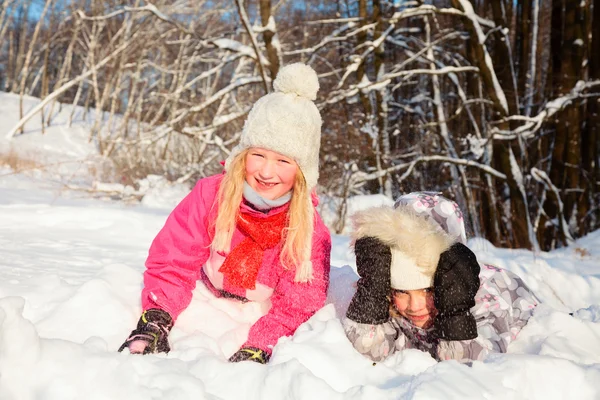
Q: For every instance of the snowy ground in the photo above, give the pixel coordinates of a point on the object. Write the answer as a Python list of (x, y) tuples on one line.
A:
[(71, 273)]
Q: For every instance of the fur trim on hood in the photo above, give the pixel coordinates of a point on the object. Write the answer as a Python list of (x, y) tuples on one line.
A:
[(417, 237)]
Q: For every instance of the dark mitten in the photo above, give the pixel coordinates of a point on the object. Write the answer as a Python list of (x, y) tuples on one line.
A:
[(455, 285), (370, 304), (153, 328), (250, 354)]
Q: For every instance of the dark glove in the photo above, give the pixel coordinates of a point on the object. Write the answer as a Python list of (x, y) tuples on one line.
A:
[(455, 284), (370, 304), (250, 354), (153, 328)]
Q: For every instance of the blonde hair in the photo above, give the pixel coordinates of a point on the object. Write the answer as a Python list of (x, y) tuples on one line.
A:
[(297, 235)]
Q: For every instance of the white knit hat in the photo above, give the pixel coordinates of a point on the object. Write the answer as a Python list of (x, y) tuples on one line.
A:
[(406, 274), (287, 121)]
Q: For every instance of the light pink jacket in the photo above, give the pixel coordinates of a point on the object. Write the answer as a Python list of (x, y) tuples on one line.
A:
[(180, 255)]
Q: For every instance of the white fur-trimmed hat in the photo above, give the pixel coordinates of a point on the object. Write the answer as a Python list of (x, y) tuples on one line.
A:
[(287, 121), (420, 227)]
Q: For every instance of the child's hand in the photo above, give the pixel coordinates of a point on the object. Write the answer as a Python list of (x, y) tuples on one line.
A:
[(151, 333), (250, 354), (455, 285), (370, 304)]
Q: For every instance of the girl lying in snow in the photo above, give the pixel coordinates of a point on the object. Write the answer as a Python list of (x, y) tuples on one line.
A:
[(421, 287), (252, 233)]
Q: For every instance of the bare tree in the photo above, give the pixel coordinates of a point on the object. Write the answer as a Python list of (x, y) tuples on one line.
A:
[(26, 64), (494, 103)]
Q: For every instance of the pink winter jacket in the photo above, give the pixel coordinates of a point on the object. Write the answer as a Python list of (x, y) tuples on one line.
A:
[(180, 255)]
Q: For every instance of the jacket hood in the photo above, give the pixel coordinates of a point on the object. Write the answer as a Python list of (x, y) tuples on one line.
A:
[(420, 227), (417, 238)]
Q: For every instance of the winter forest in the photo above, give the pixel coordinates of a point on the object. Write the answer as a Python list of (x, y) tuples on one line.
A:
[(111, 111), (496, 103)]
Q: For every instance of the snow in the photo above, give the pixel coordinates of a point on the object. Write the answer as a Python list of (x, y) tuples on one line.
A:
[(476, 145), (270, 26), (234, 45), (160, 193), (71, 272)]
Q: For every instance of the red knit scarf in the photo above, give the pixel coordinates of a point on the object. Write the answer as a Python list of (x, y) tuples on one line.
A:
[(242, 264)]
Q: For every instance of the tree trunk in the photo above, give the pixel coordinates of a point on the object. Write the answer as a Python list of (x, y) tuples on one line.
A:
[(10, 74), (362, 68), (26, 65), (381, 99), (520, 230), (523, 51), (5, 21), (273, 54), (244, 18), (503, 59), (532, 57), (65, 69), (584, 202), (22, 38), (45, 72), (566, 153), (573, 48), (590, 140), (45, 85)]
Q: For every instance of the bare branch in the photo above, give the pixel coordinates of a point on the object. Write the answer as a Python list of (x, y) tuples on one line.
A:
[(338, 95), (259, 56), (426, 9), (533, 124), (64, 88), (361, 176), (231, 87), (150, 8)]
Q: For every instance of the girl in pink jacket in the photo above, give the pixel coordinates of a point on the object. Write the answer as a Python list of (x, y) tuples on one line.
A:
[(252, 233)]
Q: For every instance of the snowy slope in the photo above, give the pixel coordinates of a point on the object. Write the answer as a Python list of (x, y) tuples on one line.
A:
[(63, 150), (71, 273)]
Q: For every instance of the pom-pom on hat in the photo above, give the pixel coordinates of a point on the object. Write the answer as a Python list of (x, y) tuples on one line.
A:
[(287, 121)]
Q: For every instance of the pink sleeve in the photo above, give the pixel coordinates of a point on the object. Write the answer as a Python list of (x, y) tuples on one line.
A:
[(178, 252), (293, 303)]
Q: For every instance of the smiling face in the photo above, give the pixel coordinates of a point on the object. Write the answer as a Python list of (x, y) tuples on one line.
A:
[(270, 174), (416, 306)]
